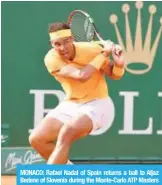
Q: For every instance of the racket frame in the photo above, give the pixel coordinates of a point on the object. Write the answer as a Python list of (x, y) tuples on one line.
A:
[(90, 20), (102, 41)]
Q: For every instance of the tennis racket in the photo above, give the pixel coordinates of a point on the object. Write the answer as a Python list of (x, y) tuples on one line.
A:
[(85, 30)]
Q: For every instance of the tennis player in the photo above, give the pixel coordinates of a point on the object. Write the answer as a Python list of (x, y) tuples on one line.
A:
[(80, 68)]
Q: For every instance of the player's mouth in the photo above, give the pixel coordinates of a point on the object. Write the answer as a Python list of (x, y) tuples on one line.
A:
[(65, 54)]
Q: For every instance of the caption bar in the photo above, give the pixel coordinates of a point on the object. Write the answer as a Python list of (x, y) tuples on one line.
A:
[(89, 174)]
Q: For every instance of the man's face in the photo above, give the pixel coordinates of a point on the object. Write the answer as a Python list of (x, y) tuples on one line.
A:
[(64, 47)]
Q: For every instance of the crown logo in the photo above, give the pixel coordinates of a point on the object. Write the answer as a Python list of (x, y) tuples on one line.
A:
[(138, 53)]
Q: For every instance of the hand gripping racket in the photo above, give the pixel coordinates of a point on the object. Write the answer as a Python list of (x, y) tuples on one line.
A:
[(85, 30)]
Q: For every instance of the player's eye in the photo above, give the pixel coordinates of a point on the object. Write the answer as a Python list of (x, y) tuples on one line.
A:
[(57, 44), (66, 41)]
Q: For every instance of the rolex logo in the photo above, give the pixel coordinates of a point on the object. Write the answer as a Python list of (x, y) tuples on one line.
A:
[(140, 53)]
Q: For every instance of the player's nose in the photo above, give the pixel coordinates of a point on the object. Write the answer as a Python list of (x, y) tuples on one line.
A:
[(62, 48)]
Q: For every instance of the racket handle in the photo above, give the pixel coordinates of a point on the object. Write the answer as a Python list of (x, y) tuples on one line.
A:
[(109, 43)]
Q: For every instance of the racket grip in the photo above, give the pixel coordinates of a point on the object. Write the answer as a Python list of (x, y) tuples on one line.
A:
[(108, 44)]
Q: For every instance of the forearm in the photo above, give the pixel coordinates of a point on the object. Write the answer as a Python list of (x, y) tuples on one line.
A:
[(118, 66), (99, 61), (114, 72), (78, 74), (118, 70), (70, 72), (86, 72)]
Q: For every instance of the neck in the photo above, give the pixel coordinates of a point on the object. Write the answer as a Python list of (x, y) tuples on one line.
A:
[(73, 54)]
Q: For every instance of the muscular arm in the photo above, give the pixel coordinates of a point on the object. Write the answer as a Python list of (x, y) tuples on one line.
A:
[(108, 70), (79, 74), (56, 66), (84, 73), (116, 69)]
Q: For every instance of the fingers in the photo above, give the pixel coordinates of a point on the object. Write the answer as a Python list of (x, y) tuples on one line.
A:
[(118, 49), (108, 46)]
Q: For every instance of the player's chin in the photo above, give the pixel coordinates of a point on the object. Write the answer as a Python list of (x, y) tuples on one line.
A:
[(65, 56)]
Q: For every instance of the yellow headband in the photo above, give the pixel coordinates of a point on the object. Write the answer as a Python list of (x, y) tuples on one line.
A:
[(60, 34)]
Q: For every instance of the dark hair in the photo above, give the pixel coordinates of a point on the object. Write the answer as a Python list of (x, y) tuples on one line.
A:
[(57, 26)]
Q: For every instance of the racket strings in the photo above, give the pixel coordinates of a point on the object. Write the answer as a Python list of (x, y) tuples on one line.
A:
[(82, 28)]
